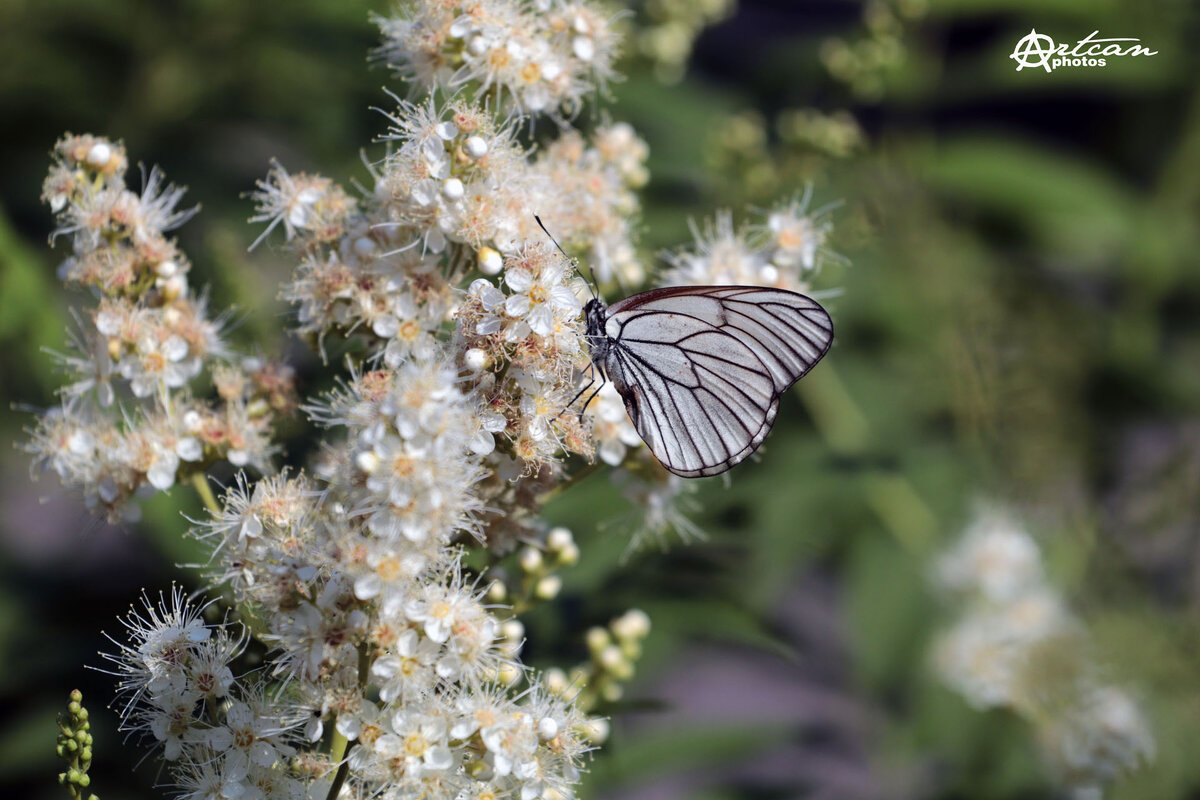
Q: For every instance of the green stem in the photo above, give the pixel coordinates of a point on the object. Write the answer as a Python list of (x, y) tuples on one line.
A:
[(343, 768), (340, 748), (200, 482), (571, 481)]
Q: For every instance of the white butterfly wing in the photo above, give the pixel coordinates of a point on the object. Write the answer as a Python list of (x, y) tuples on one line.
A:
[(701, 368)]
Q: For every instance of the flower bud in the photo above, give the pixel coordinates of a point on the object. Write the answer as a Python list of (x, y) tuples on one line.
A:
[(598, 639), (611, 658), (512, 630), (508, 674), (612, 692), (633, 624), (558, 538), (547, 728), (490, 262), (452, 189), (548, 587), (555, 680), (597, 730), (367, 461), (476, 359), (99, 156), (569, 555), (530, 559), (365, 247), (476, 147)]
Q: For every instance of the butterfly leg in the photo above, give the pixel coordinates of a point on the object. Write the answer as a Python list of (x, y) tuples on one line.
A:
[(591, 373), (589, 400)]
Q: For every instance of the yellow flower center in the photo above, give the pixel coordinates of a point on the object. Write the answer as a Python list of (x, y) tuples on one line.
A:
[(369, 734), (389, 568), (790, 239), (415, 744)]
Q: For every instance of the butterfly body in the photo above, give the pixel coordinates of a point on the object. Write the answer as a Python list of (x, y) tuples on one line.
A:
[(701, 368)]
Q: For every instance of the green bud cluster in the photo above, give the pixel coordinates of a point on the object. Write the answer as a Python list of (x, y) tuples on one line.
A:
[(760, 158), (863, 63), (667, 30), (537, 565), (835, 135), (613, 654), (75, 747)]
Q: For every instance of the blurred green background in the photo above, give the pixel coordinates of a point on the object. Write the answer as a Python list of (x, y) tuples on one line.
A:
[(1019, 322)]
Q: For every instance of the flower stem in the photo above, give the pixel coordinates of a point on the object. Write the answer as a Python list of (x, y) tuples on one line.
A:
[(341, 749), (200, 482), (573, 480)]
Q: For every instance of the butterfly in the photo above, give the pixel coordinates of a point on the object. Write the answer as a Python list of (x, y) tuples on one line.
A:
[(701, 368)]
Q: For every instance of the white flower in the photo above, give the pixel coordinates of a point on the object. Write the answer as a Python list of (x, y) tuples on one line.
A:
[(156, 212), (981, 662), (300, 202), (612, 427), (173, 721), (796, 237), (1102, 739), (492, 300), (156, 365), (410, 336), (161, 474), (247, 738), (995, 558), (539, 297), (366, 724), (470, 651), (438, 608), (419, 741), (209, 779), (512, 741), (407, 669)]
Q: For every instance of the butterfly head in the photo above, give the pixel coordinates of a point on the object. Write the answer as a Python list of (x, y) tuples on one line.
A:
[(595, 315)]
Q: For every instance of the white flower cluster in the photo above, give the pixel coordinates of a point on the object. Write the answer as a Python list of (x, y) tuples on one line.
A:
[(456, 194), (541, 56), (375, 624), (127, 424), (785, 251), (177, 688), (1016, 646), (444, 437), (392, 668), (453, 207), (410, 466)]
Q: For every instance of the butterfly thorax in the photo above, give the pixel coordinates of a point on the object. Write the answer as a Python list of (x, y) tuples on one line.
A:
[(595, 316)]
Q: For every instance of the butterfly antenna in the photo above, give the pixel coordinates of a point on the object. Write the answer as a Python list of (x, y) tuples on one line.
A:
[(593, 287)]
